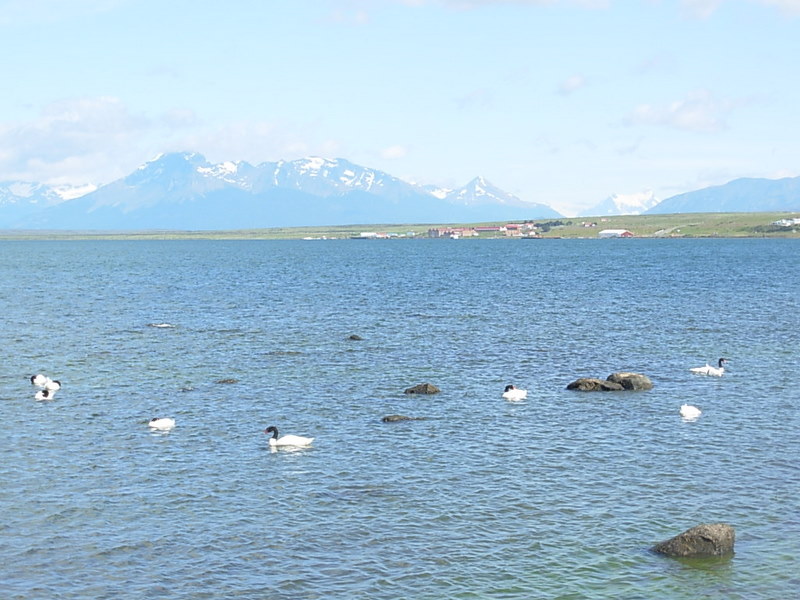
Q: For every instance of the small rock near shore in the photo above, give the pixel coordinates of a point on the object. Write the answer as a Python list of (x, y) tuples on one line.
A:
[(423, 388), (396, 418)]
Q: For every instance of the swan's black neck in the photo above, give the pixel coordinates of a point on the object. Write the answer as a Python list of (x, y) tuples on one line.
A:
[(274, 432), (721, 361)]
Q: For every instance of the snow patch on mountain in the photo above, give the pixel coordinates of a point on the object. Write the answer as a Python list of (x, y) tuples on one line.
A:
[(623, 204)]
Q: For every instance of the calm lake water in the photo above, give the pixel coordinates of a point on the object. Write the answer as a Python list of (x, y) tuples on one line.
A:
[(559, 496)]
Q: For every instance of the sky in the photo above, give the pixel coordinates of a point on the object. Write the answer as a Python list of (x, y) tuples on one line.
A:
[(561, 102)]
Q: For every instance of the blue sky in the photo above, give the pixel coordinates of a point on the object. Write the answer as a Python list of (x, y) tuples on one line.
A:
[(559, 102)]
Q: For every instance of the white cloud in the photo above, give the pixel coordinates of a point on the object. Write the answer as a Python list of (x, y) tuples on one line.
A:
[(48, 11), (571, 84), (393, 152), (700, 9), (700, 111), (790, 7), (703, 9), (480, 98), (471, 4), (72, 141)]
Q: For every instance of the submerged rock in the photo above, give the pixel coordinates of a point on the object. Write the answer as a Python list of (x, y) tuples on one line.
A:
[(423, 388), (227, 380), (395, 418), (704, 540), (355, 338)]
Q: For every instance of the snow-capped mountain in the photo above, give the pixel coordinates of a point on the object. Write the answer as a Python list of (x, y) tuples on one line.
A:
[(21, 199), (623, 204), (480, 191), (185, 191)]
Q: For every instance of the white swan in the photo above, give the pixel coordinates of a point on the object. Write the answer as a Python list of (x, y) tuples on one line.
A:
[(162, 424), (709, 370), (286, 440), (690, 412), (512, 393)]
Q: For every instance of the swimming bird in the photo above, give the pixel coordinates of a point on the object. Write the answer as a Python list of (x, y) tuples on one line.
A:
[(39, 380), (286, 440), (52, 385), (44, 395), (512, 393), (709, 370), (162, 424), (690, 412)]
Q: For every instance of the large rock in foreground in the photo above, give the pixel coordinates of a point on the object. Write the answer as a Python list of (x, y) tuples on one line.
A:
[(423, 388), (715, 539), (613, 383)]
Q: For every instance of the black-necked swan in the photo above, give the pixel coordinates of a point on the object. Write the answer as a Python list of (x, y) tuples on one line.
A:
[(39, 380), (51, 386), (690, 412), (162, 424), (44, 382), (709, 370), (513, 393), (44, 395), (286, 440)]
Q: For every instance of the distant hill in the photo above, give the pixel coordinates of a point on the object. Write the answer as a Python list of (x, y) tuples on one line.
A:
[(185, 191), (739, 195)]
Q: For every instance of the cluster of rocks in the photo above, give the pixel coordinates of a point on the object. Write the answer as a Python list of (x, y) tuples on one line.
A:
[(613, 383)]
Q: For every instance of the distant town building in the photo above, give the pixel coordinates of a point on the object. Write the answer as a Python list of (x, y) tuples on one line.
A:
[(452, 232), (787, 222), (613, 233)]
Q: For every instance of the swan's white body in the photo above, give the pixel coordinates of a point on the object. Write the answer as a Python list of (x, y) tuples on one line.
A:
[(690, 412), (512, 393), (717, 371), (286, 440), (162, 424)]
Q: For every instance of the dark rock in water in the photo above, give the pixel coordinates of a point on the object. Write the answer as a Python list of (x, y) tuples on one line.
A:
[(631, 381), (590, 384), (705, 540), (423, 388), (613, 383), (355, 338), (229, 380), (395, 418)]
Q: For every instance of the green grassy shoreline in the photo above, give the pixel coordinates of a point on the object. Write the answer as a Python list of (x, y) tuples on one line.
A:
[(687, 225)]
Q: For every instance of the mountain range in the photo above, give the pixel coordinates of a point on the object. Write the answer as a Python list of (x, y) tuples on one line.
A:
[(183, 191)]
